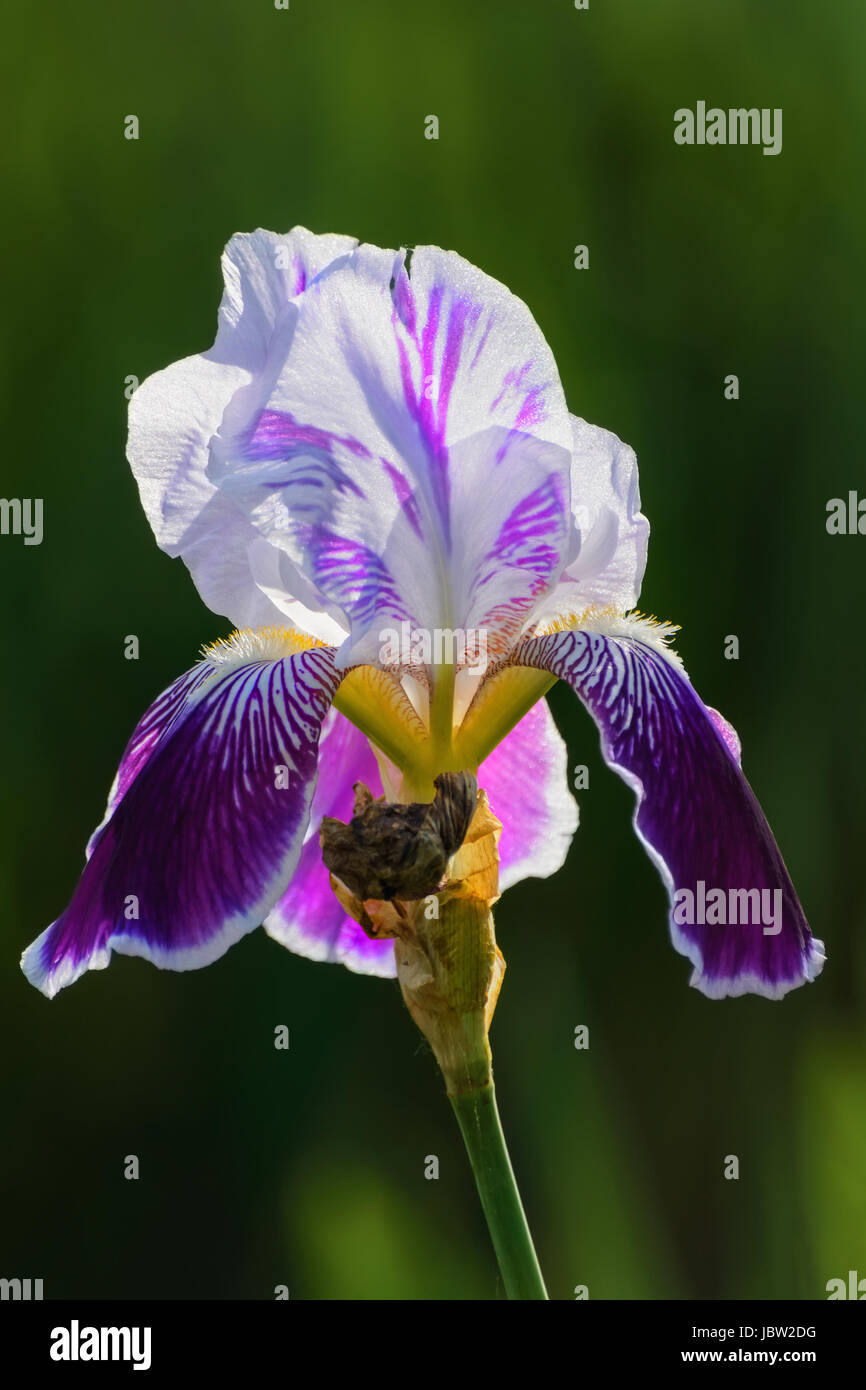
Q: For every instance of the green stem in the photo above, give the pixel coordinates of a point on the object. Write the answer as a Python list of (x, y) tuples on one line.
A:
[(478, 1117)]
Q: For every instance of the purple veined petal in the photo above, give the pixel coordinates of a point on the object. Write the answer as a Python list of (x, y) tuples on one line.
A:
[(308, 919), (610, 533), (471, 355), (510, 526), (512, 531), (151, 728), (526, 780), (348, 457), (696, 814), (175, 415), (206, 819)]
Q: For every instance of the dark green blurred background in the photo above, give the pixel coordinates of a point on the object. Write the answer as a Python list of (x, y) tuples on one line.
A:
[(306, 1168)]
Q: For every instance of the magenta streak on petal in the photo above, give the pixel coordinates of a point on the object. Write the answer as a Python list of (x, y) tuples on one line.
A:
[(533, 410), (526, 542), (277, 437), (353, 576), (512, 381), (204, 837), (428, 402), (696, 813), (506, 444), (437, 474), (482, 341), (524, 538), (422, 405), (461, 316), (277, 434), (404, 300), (405, 497), (300, 276)]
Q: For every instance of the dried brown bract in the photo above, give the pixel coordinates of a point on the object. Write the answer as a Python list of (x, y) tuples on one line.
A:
[(390, 851)]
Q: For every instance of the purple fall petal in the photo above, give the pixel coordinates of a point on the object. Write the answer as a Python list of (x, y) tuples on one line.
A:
[(696, 813), (205, 823), (526, 780)]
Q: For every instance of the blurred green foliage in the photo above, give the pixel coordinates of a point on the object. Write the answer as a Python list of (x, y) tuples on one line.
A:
[(305, 1167)]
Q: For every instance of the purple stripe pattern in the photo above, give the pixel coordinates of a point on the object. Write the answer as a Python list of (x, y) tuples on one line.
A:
[(524, 558), (208, 818), (696, 814), (153, 726), (351, 449), (347, 405)]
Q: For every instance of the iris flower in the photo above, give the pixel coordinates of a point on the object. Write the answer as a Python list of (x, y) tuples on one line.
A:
[(376, 453)]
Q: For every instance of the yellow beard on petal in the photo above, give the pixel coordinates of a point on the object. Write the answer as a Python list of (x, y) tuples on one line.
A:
[(612, 622), (248, 644), (568, 621)]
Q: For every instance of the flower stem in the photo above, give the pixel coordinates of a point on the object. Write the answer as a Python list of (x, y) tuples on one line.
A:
[(478, 1117), (450, 970)]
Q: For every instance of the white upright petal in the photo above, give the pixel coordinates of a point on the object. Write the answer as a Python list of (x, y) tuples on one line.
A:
[(610, 533), (176, 414), (380, 438), (412, 454)]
